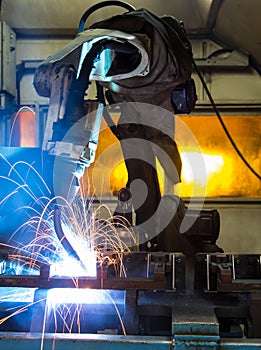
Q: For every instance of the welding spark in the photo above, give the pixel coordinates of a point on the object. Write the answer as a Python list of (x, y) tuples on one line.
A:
[(34, 242), (88, 236), (68, 305)]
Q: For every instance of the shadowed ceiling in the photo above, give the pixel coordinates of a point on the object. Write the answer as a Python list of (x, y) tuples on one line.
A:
[(234, 23)]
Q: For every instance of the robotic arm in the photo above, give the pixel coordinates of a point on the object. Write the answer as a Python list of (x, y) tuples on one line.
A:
[(136, 57), (65, 77)]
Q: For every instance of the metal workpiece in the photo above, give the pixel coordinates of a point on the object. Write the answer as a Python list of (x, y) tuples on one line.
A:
[(154, 271), (194, 323), (33, 341), (228, 272), (15, 340), (147, 306), (244, 344), (197, 324)]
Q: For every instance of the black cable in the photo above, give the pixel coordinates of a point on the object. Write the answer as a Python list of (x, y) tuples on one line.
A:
[(80, 85), (73, 109), (222, 122), (106, 114), (61, 236), (101, 4)]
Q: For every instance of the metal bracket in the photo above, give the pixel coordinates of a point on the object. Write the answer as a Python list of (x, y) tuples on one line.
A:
[(216, 56)]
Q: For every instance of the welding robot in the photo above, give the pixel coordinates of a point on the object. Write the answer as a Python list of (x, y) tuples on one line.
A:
[(135, 59), (139, 62), (181, 289)]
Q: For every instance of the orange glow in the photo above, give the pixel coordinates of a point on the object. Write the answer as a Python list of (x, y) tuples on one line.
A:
[(194, 184), (24, 128), (213, 165), (118, 178), (27, 130), (226, 174)]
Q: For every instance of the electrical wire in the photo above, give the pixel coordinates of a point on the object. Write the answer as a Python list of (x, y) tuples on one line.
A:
[(222, 122), (100, 5), (106, 114)]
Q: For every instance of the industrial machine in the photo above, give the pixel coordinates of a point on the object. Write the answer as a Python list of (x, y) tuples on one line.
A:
[(170, 290), (149, 306)]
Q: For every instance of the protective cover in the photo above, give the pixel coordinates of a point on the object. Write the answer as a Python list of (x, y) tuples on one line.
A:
[(169, 51)]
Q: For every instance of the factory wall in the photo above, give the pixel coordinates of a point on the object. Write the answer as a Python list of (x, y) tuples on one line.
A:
[(239, 226)]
